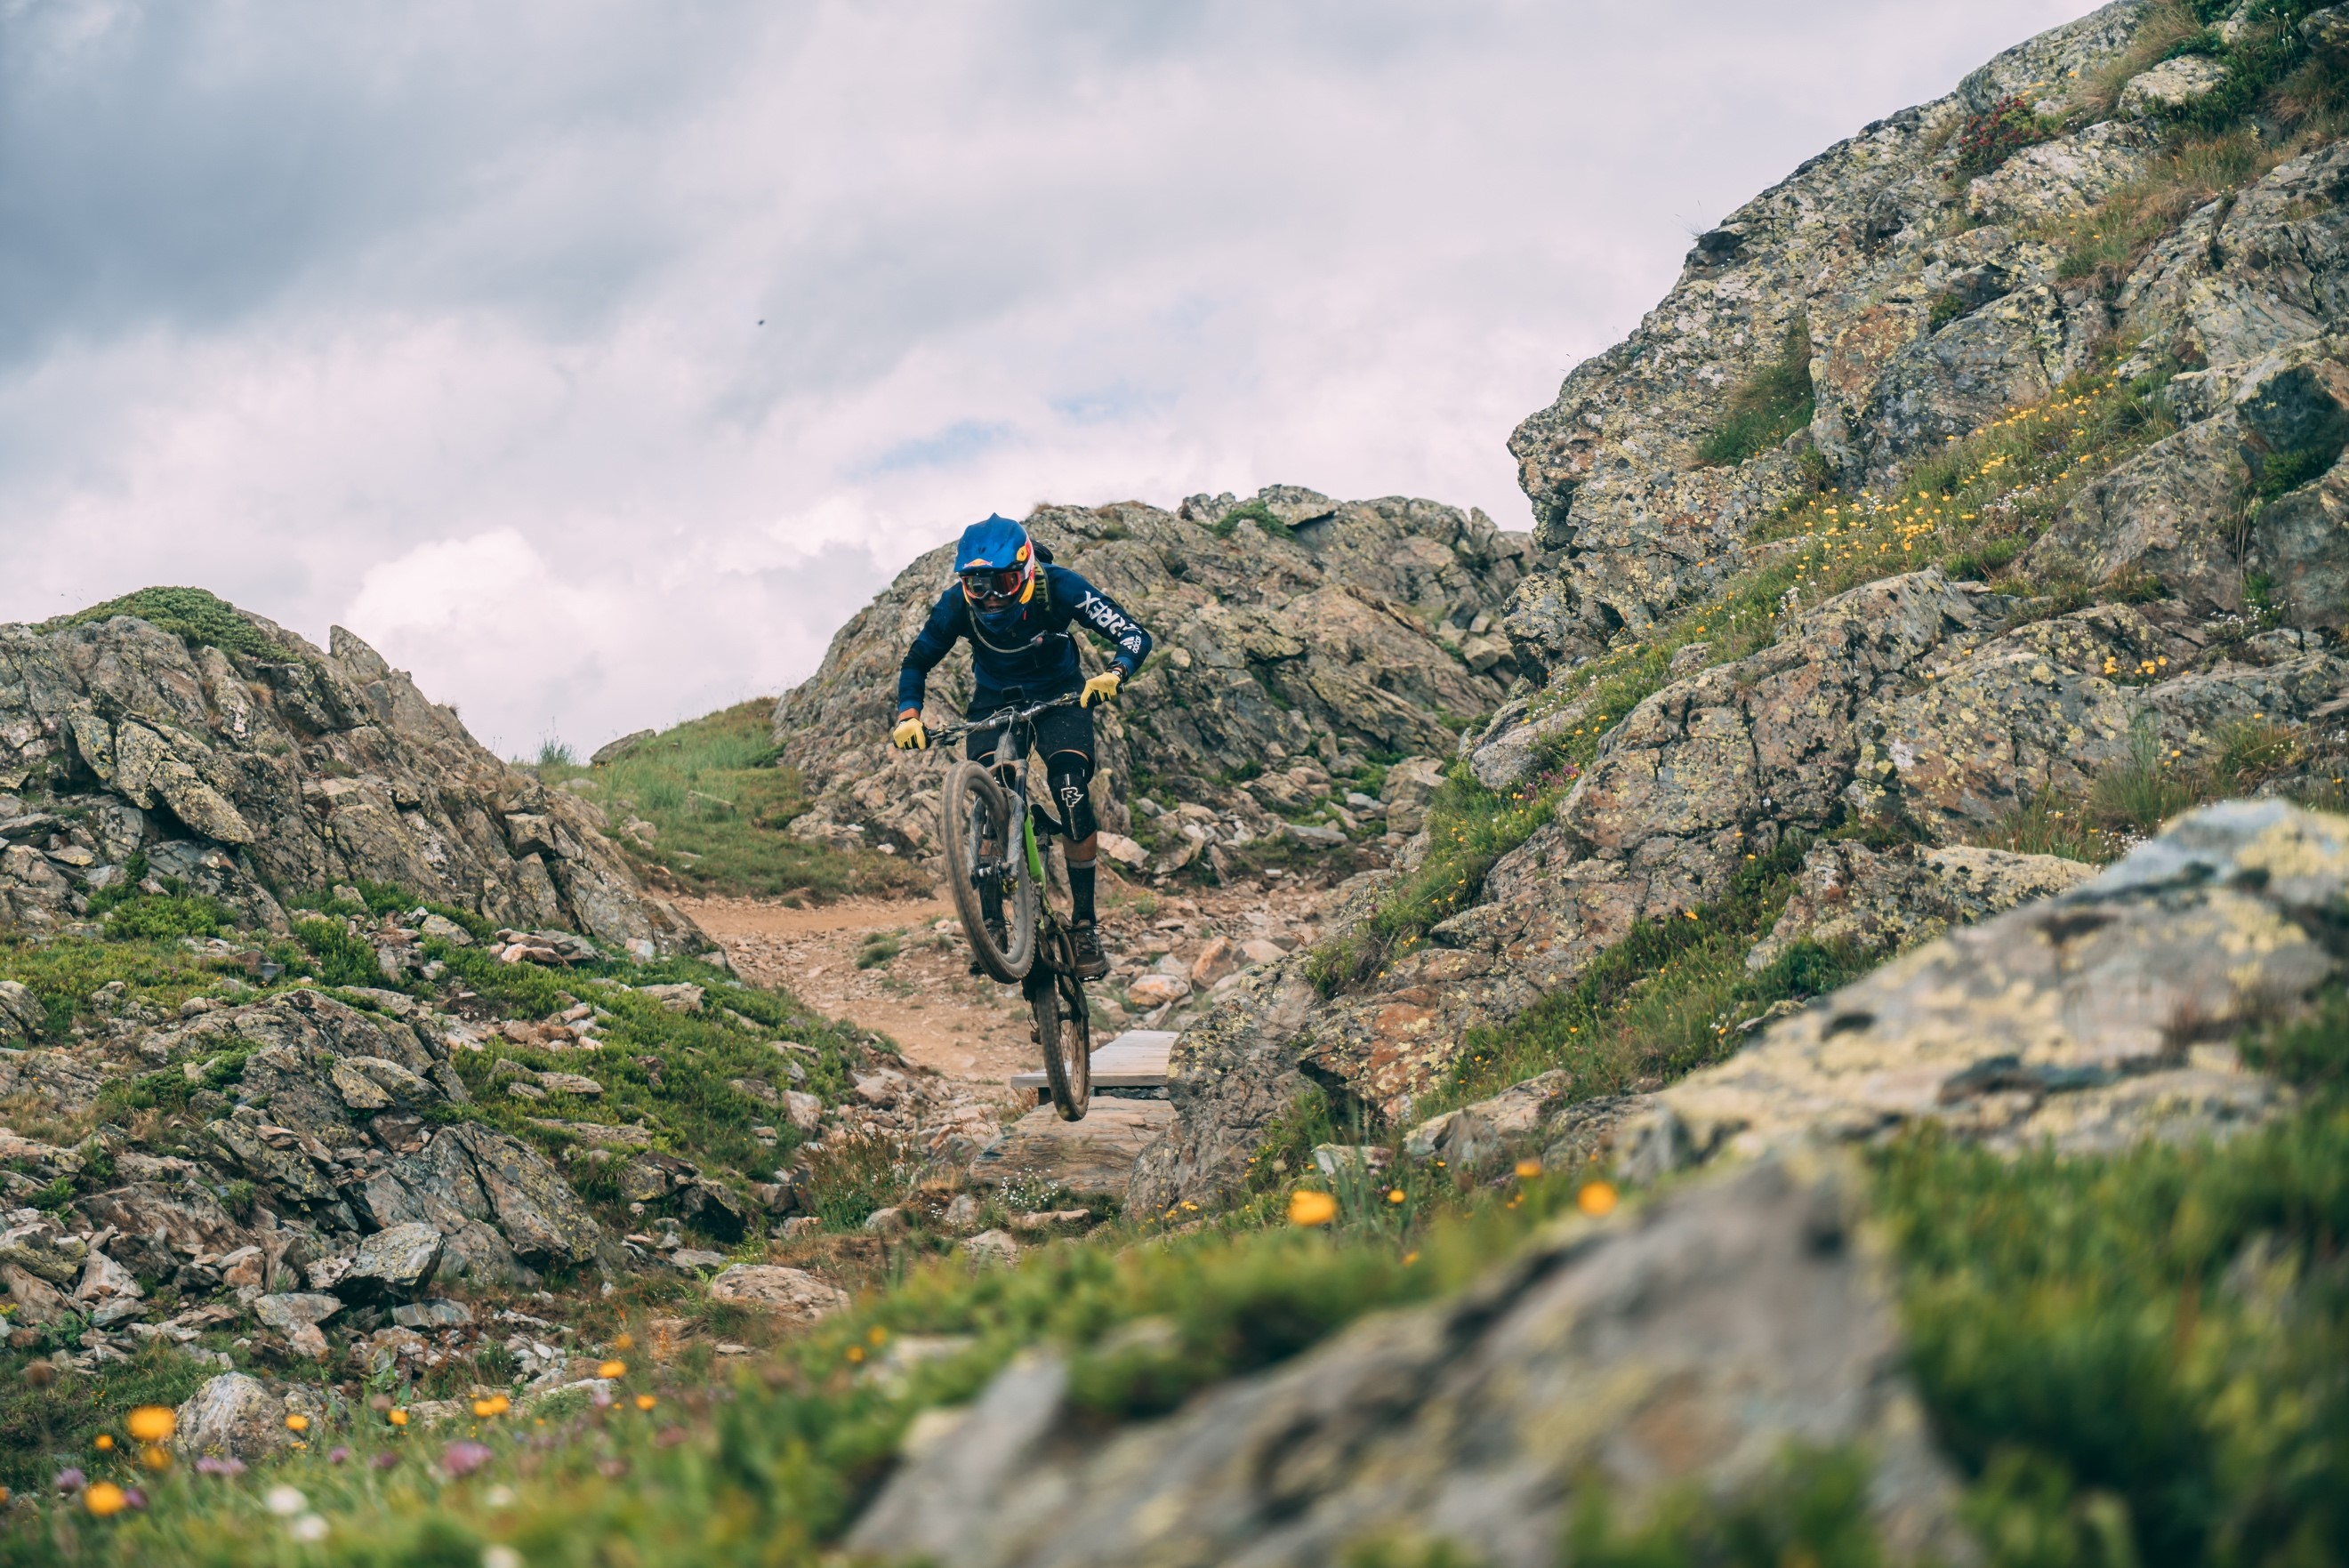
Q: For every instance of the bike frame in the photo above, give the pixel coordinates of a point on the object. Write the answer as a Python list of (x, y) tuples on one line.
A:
[(1016, 785)]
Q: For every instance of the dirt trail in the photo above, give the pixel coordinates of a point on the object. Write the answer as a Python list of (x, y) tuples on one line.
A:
[(924, 997)]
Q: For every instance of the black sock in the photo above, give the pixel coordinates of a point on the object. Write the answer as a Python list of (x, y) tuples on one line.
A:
[(1081, 888)]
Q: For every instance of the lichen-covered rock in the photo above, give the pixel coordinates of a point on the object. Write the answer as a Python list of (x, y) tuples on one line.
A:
[(1873, 901), (2172, 85), (231, 1417), (1686, 1347), (1235, 678), (394, 1262), (1092, 1158), (2062, 177), (277, 765), (1852, 254), (2098, 1017)]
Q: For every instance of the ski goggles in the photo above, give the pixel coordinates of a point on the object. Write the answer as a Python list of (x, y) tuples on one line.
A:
[(988, 586)]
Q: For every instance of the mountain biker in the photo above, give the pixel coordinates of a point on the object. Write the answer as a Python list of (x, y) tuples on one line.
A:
[(1017, 609)]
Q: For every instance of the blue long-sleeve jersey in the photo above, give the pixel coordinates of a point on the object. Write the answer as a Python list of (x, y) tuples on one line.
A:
[(1036, 653)]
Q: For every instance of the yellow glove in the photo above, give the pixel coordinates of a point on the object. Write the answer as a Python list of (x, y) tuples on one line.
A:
[(1102, 688), (909, 735)]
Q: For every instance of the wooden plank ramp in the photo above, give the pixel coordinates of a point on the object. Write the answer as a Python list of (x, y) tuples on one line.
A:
[(1135, 1060)]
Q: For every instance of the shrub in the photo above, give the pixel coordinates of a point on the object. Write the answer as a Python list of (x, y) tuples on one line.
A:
[(189, 614), (1998, 133), (1255, 511), (145, 915), (1770, 404)]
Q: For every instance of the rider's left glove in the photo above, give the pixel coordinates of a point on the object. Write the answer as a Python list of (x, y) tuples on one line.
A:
[(909, 735), (1102, 688)]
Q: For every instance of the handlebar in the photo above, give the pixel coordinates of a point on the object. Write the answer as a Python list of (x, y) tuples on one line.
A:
[(944, 733)]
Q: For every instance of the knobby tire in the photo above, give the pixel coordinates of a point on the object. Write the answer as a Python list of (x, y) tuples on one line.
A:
[(980, 834), (1056, 995)]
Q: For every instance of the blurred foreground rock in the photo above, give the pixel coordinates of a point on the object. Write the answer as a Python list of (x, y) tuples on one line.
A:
[(1690, 1342)]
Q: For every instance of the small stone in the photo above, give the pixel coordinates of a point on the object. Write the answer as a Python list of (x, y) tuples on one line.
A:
[(962, 1213), (1123, 851), (232, 1416), (1155, 991), (798, 1225), (691, 1258), (805, 1110), (571, 1083), (1258, 950), (992, 1249), (788, 1293), (307, 1341), (286, 1312), (888, 1222), (1219, 958), (882, 1089), (394, 1259), (446, 930), (681, 997), (438, 1312)]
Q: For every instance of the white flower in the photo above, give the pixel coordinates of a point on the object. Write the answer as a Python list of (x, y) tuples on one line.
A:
[(309, 1527), (499, 1497), (285, 1501), (501, 1557)]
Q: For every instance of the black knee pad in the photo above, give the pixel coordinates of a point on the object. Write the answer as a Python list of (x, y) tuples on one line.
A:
[(1071, 773)]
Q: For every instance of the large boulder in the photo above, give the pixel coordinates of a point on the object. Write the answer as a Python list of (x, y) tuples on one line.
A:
[(2091, 1020), (1688, 1347)]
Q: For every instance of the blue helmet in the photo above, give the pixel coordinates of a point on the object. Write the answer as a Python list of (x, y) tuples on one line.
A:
[(996, 564)]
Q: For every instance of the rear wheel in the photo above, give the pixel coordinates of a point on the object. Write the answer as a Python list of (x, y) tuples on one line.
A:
[(1063, 1027), (987, 868)]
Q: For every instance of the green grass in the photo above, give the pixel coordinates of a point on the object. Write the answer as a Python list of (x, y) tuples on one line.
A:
[(719, 805), (1471, 828), (1665, 1000), (1255, 511), (2150, 1344), (191, 613), (1770, 404)]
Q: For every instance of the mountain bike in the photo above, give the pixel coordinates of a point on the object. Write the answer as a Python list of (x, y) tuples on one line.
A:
[(995, 865)]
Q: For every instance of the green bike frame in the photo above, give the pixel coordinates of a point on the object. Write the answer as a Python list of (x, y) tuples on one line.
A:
[(1035, 855)]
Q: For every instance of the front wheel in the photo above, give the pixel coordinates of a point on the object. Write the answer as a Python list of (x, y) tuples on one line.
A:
[(1056, 996), (987, 867)]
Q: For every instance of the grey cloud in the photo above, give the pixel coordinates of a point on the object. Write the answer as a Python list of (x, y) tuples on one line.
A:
[(292, 295)]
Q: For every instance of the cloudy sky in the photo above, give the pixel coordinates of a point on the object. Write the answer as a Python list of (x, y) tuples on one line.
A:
[(594, 360)]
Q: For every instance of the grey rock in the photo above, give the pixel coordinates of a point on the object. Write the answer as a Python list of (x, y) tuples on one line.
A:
[(997, 1249), (438, 1312), (790, 1294), (613, 750), (1092, 1158), (394, 1261), (2094, 1018), (2327, 31), (290, 767), (1686, 1347), (232, 1416), (888, 1222), (1879, 900), (285, 1311), (2172, 85)]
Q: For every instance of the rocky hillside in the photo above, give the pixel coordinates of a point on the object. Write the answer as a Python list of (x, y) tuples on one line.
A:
[(172, 739), (1304, 645), (1972, 493)]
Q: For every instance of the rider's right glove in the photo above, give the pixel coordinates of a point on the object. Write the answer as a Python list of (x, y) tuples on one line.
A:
[(909, 735)]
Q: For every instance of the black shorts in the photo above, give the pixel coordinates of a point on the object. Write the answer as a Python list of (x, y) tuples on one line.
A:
[(1053, 730)]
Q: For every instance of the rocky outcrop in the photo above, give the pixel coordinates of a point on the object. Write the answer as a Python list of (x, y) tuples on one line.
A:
[(269, 768), (1874, 900), (1302, 649), (1686, 1346), (2088, 1021), (1913, 334)]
